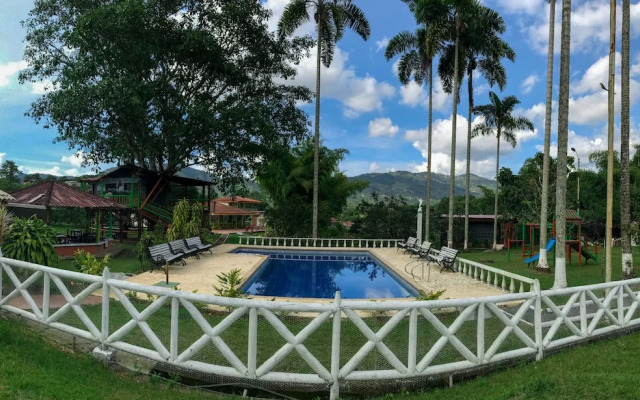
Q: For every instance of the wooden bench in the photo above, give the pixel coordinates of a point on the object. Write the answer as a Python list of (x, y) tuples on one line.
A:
[(195, 243), (445, 257), (180, 246), (161, 255)]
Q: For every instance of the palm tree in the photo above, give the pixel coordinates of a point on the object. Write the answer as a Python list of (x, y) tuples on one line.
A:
[(499, 121), (543, 264), (331, 18), (418, 50), (458, 13), (625, 196), (560, 279), (482, 50)]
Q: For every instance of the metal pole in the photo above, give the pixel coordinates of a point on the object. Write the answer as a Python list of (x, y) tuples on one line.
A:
[(612, 71)]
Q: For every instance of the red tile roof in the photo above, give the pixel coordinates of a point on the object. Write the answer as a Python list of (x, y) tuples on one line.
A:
[(55, 194), (223, 209), (236, 199)]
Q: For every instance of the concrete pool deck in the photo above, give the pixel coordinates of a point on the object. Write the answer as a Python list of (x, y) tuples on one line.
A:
[(201, 274)]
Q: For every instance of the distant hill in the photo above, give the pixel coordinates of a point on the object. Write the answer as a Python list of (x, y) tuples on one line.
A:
[(413, 186)]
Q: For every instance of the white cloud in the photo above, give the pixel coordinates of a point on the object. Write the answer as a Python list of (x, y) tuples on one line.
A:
[(413, 95), (2, 155), (340, 82), (382, 44), (9, 70), (277, 8), (374, 167), (71, 172), (529, 83), (42, 87), (521, 7), (74, 159), (50, 171), (382, 127)]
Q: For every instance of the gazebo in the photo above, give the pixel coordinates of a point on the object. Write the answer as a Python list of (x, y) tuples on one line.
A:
[(39, 199)]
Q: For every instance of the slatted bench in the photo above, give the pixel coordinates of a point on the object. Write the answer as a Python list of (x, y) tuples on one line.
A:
[(179, 246), (161, 255), (422, 251), (407, 244), (195, 243), (445, 257)]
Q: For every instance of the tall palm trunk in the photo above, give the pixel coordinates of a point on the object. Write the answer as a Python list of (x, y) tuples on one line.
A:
[(452, 171), (495, 201), (468, 170), (612, 71), (428, 203), (563, 134), (625, 195), (544, 213), (316, 135)]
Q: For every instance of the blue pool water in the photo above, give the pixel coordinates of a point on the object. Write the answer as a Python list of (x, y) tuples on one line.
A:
[(319, 274)]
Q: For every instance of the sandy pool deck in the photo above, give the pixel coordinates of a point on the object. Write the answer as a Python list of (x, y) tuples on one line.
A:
[(200, 274)]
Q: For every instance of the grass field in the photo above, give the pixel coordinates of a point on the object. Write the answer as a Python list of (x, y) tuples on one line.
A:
[(33, 368)]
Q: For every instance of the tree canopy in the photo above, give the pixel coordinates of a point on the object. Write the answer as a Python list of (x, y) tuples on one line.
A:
[(165, 84), (287, 182)]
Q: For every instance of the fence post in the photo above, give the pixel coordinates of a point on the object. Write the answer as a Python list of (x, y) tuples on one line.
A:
[(480, 333), (106, 275), (335, 349), (621, 322), (45, 296), (537, 318), (252, 351), (175, 314), (413, 340), (1, 273)]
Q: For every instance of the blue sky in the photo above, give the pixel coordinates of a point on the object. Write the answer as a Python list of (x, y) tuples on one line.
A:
[(367, 111)]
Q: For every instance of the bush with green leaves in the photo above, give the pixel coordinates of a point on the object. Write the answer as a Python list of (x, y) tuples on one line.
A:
[(31, 240), (148, 239), (88, 264), (187, 220), (230, 283), (422, 295)]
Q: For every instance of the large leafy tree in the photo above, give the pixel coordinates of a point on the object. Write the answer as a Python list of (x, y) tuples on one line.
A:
[(500, 121), (417, 50), (165, 83), (9, 175), (625, 190), (481, 50), (543, 263), (332, 17), (287, 182), (560, 278)]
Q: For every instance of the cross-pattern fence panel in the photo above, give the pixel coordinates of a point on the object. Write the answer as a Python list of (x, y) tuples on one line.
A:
[(322, 345)]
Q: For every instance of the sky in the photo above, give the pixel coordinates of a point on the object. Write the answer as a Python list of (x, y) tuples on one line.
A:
[(366, 110)]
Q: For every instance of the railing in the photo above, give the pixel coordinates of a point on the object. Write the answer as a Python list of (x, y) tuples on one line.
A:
[(494, 276), (320, 345), (317, 242), (158, 211), (126, 199)]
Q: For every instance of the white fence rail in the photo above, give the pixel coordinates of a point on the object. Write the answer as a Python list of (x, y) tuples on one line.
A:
[(324, 344), (494, 276), (316, 242)]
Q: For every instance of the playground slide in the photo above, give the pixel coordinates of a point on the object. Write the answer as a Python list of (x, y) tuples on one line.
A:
[(585, 253), (550, 245)]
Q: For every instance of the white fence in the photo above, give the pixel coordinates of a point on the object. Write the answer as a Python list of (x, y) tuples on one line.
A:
[(331, 345), (499, 278), (316, 242)]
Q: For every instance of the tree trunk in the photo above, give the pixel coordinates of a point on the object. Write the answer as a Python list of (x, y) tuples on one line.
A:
[(495, 202), (452, 171), (544, 207), (625, 195), (316, 134), (428, 200), (612, 71), (563, 134), (468, 170)]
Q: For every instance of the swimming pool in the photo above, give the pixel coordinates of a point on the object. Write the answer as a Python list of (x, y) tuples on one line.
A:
[(319, 274)]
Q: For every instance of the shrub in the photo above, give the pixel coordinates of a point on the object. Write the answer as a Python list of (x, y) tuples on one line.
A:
[(148, 239), (187, 220), (422, 295), (229, 284), (88, 264), (31, 240)]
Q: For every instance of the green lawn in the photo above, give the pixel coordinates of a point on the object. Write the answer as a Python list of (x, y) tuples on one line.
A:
[(589, 273), (124, 259), (33, 368)]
